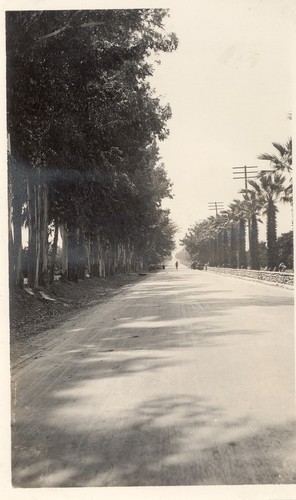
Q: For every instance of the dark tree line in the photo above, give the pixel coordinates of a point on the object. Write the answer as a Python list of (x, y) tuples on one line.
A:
[(83, 124)]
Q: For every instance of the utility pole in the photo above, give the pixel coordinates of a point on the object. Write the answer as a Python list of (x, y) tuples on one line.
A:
[(246, 172), (216, 205)]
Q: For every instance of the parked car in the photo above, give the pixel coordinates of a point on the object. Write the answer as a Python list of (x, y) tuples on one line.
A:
[(197, 265)]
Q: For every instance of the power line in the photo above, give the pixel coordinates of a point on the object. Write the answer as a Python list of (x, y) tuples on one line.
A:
[(216, 205), (245, 173)]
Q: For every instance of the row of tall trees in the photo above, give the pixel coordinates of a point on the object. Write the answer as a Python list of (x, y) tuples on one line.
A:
[(221, 240), (83, 125)]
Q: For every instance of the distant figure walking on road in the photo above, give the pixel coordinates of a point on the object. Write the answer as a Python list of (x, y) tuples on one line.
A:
[(177, 265)]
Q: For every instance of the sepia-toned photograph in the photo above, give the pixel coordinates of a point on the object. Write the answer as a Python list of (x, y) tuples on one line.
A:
[(150, 246)]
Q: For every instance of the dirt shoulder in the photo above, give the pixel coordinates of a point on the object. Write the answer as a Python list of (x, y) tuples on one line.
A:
[(33, 314)]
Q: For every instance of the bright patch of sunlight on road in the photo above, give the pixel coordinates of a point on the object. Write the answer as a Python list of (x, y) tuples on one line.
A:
[(152, 322), (75, 330)]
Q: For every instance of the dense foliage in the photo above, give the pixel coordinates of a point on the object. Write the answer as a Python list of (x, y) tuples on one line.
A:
[(285, 249), (83, 123)]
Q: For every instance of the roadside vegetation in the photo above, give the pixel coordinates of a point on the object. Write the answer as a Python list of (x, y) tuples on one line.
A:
[(221, 240)]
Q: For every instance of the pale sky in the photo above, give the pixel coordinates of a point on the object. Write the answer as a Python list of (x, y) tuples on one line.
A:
[(229, 86)]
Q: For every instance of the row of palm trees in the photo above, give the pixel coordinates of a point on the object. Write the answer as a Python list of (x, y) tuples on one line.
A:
[(221, 240)]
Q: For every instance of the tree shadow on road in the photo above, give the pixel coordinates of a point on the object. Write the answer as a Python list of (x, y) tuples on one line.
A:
[(171, 293), (66, 433), (166, 441)]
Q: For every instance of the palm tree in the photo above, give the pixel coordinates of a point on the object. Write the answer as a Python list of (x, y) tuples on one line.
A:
[(282, 163), (237, 207), (252, 206), (269, 189), (231, 222), (218, 227), (223, 223), (207, 240)]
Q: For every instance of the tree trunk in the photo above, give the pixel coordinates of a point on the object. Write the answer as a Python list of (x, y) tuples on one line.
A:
[(254, 246), (242, 256), (112, 257), (12, 277), (81, 254), (107, 261), (54, 249), (225, 248), (233, 255), (38, 205), (271, 236), (219, 249), (102, 267), (130, 256), (123, 257), (87, 250), (94, 260), (16, 249), (64, 236), (43, 210), (73, 256), (32, 230)]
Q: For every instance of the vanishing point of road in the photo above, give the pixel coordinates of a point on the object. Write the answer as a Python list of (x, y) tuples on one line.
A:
[(186, 378)]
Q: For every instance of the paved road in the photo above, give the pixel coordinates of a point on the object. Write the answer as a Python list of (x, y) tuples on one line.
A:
[(186, 378)]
